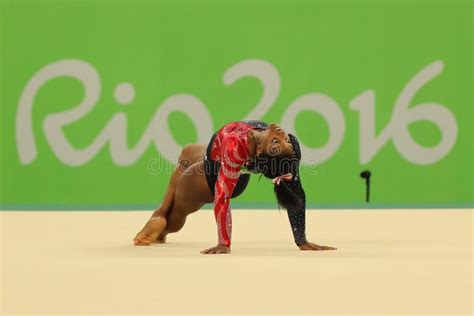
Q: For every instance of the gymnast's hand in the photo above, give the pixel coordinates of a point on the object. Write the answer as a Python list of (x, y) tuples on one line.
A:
[(311, 246), (216, 250)]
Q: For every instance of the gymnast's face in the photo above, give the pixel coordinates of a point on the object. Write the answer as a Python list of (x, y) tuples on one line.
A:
[(275, 141)]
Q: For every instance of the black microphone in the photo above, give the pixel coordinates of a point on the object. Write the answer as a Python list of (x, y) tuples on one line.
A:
[(366, 175)]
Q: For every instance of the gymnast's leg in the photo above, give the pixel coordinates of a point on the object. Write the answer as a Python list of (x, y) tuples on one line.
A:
[(192, 192), (155, 225)]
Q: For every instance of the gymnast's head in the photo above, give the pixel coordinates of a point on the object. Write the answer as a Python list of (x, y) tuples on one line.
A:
[(278, 159), (274, 151), (274, 141)]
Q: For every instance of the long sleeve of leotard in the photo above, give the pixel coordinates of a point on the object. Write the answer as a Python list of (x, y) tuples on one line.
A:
[(229, 172), (297, 217)]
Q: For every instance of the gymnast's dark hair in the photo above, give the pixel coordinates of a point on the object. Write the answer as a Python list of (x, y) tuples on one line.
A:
[(289, 194)]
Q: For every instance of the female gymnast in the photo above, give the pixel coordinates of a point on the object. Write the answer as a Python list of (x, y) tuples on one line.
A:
[(221, 171)]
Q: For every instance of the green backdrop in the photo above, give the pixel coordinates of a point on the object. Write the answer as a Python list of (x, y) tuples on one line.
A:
[(160, 74)]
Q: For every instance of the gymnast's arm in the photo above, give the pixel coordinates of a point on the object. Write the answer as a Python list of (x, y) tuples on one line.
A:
[(297, 216), (227, 178)]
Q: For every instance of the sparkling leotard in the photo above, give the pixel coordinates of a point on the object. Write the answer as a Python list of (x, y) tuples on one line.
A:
[(230, 149)]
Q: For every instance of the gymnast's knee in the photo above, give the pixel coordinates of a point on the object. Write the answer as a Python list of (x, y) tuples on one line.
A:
[(184, 160)]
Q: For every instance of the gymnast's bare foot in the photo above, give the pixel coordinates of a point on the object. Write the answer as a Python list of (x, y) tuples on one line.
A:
[(216, 250), (150, 232)]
